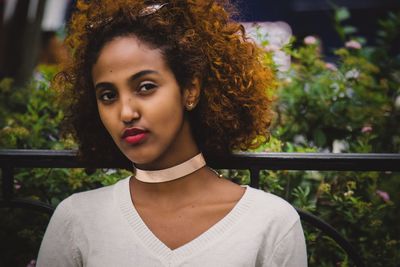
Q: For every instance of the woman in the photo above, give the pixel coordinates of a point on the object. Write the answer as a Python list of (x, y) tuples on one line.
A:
[(155, 84)]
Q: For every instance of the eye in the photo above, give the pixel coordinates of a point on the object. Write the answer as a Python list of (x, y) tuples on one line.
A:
[(107, 96), (146, 87)]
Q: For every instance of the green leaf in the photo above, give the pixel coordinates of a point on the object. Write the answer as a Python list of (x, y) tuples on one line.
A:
[(349, 30), (342, 14), (319, 137)]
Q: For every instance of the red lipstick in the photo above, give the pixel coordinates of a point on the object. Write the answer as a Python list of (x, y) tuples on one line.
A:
[(134, 135)]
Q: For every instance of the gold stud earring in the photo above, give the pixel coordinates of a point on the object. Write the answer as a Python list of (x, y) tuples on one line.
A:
[(190, 106)]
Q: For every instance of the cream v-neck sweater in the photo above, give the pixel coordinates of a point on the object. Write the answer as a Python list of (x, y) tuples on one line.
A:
[(102, 228)]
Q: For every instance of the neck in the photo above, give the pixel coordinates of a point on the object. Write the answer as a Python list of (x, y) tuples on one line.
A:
[(178, 171), (181, 149), (174, 192)]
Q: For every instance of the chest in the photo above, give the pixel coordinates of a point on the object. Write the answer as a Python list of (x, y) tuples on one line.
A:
[(177, 227)]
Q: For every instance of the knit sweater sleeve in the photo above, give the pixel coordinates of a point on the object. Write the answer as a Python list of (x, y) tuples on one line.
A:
[(58, 247), (291, 249)]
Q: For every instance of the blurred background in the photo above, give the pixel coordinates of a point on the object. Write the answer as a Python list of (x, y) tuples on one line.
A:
[(337, 65), (31, 30)]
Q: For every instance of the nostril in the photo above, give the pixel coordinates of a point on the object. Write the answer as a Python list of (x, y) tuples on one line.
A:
[(129, 112), (130, 118), (130, 122)]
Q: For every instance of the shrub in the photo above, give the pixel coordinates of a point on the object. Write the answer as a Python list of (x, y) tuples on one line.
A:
[(349, 105)]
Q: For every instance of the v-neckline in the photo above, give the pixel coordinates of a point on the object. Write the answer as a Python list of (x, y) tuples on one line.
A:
[(158, 248)]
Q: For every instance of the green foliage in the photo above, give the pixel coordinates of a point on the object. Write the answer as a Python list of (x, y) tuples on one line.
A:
[(349, 106), (354, 102), (341, 15), (31, 119), (19, 240)]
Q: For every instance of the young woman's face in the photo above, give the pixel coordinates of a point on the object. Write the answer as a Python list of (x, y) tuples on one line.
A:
[(140, 102)]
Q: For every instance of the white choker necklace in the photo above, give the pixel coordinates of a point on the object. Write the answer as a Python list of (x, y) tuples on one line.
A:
[(173, 173)]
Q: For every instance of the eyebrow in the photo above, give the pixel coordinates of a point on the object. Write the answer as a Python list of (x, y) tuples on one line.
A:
[(134, 77), (142, 73)]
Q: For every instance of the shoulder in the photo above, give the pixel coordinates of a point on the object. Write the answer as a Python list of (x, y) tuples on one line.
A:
[(271, 213), (283, 238), (283, 228), (90, 202), (270, 204), (98, 194), (90, 198)]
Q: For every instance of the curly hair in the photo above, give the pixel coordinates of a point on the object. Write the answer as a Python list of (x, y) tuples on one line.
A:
[(198, 39)]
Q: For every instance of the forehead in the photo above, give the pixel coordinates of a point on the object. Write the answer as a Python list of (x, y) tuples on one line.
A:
[(127, 54)]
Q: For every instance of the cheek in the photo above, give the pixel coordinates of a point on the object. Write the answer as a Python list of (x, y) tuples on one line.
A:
[(168, 114)]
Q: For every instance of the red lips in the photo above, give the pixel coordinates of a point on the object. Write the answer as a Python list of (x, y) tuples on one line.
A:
[(134, 135)]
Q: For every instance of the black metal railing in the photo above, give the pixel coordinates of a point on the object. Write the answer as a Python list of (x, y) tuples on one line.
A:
[(254, 162)]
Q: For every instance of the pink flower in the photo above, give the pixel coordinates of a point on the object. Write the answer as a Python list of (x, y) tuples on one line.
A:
[(32, 263), (17, 185), (384, 195), (366, 129), (310, 40), (272, 48), (353, 44), (331, 66)]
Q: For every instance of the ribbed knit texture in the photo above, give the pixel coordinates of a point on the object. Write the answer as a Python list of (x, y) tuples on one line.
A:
[(106, 230), (122, 195)]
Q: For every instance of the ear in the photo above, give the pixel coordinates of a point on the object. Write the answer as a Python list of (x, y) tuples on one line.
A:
[(191, 94)]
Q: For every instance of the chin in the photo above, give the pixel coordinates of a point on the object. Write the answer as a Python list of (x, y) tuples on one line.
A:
[(135, 159), (140, 157)]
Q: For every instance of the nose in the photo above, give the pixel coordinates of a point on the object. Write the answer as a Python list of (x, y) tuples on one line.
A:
[(129, 110)]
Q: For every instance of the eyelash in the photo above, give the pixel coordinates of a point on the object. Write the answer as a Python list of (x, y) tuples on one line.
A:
[(107, 93), (144, 85)]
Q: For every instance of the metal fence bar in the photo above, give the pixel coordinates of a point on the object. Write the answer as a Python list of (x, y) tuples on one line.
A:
[(312, 161), (254, 177), (332, 233), (270, 161), (11, 159), (7, 185), (28, 204)]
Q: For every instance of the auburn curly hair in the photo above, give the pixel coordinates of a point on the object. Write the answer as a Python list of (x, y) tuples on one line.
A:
[(198, 38)]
